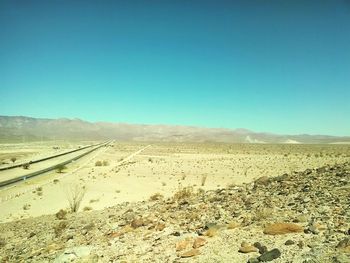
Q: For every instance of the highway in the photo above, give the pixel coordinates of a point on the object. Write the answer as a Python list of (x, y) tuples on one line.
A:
[(41, 166), (49, 157)]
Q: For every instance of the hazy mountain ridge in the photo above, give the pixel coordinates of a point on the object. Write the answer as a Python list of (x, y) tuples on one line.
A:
[(19, 128)]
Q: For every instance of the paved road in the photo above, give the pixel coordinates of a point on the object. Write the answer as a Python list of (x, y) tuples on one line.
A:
[(12, 176)]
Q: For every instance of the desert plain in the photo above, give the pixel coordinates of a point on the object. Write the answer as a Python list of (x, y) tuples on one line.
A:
[(143, 181)]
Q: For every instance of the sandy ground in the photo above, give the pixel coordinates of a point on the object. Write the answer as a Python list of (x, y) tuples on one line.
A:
[(135, 171)]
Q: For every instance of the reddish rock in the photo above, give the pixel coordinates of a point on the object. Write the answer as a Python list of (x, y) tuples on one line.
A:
[(282, 228), (184, 244), (248, 249), (199, 242), (190, 253)]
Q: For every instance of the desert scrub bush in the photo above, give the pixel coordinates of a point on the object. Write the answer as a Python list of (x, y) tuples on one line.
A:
[(156, 197), (75, 195), (61, 214), (26, 206), (26, 166), (13, 159), (105, 163), (98, 163), (184, 193), (60, 168), (39, 191)]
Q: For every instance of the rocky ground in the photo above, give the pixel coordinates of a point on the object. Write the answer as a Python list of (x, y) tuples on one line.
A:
[(299, 217)]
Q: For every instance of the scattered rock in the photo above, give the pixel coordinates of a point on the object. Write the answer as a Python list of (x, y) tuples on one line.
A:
[(342, 258), (270, 255), (184, 244), (301, 219), (300, 244), (313, 230), (137, 230), (160, 227), (253, 260), (198, 242), (72, 254), (262, 249), (344, 245), (248, 249), (289, 242), (190, 253), (138, 222), (264, 180), (282, 228)]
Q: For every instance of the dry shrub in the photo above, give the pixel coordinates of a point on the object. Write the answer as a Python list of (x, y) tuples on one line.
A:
[(98, 163), (61, 214), (156, 197), (75, 196), (60, 168), (184, 193), (26, 206), (87, 208), (105, 163), (39, 191)]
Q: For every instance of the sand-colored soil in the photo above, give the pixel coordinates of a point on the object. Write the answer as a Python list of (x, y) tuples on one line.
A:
[(134, 172)]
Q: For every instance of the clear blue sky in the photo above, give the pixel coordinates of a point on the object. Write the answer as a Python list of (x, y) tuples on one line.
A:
[(275, 66)]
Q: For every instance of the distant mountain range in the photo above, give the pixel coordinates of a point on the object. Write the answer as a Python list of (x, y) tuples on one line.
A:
[(19, 128)]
